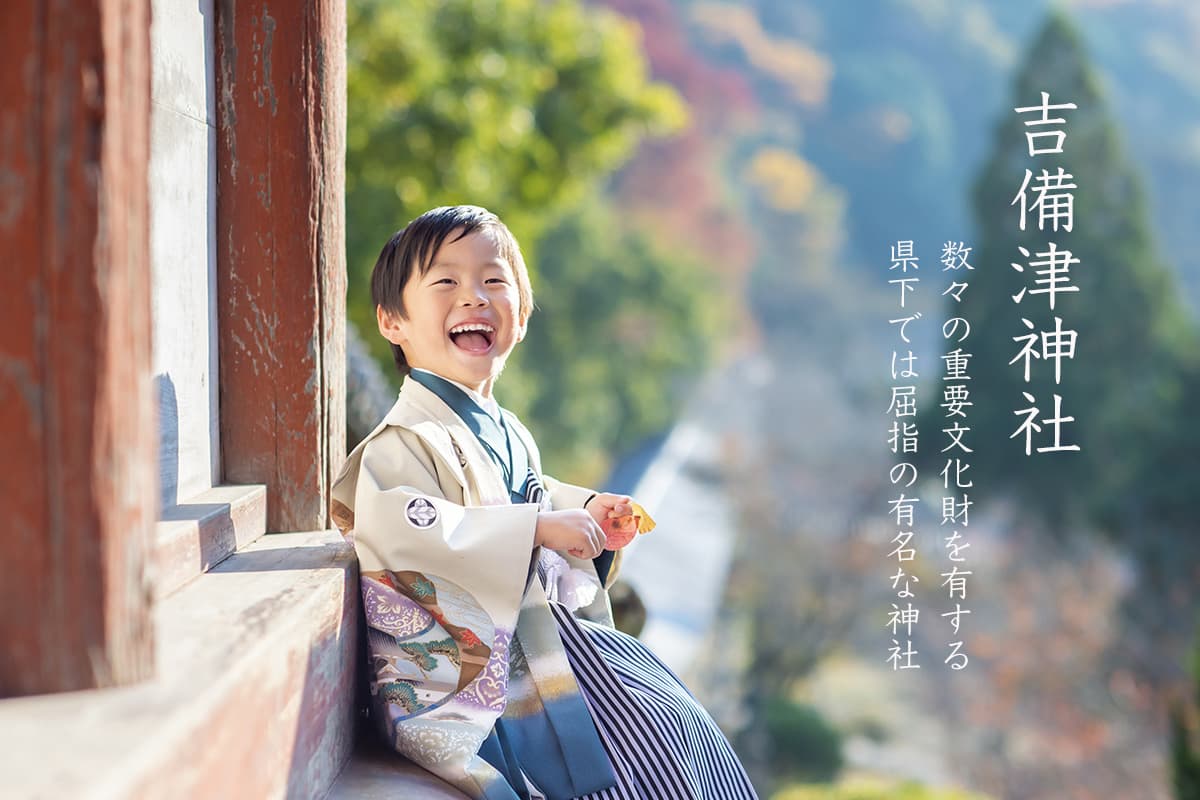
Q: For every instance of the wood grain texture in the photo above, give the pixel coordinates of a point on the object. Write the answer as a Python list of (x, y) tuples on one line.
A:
[(281, 252), (76, 405), (254, 696)]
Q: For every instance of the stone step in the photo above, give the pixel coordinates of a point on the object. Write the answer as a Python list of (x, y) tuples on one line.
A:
[(253, 695), (194, 536)]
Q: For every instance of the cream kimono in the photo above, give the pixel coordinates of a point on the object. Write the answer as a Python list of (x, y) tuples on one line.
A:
[(460, 633)]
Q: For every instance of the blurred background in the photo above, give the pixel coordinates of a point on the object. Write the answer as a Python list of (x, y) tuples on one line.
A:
[(707, 195)]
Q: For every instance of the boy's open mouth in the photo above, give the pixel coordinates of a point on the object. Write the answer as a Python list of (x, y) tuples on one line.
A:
[(474, 337)]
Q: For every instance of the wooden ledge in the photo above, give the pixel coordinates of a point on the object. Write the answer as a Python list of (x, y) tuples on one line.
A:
[(195, 536), (253, 696)]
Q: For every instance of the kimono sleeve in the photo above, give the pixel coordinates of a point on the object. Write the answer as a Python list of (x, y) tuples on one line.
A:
[(406, 518), (565, 495), (442, 586), (607, 566)]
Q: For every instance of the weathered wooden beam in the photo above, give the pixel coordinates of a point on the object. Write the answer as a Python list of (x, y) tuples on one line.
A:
[(280, 251), (76, 408), (253, 698)]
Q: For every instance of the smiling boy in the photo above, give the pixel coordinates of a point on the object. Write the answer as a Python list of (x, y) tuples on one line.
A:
[(459, 318), (493, 660), (461, 313)]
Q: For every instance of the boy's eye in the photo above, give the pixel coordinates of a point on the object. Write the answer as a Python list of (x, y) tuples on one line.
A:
[(443, 280), (497, 280)]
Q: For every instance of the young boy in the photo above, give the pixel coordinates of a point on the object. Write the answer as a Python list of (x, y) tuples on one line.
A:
[(474, 564)]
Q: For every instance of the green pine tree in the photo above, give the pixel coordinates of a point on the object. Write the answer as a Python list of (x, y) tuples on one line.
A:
[(1122, 387)]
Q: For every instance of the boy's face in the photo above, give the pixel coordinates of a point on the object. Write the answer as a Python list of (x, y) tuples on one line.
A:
[(462, 315)]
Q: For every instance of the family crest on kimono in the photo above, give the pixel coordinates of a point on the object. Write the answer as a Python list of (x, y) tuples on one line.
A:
[(494, 662)]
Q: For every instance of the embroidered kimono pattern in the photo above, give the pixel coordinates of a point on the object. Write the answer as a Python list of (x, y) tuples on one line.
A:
[(482, 671)]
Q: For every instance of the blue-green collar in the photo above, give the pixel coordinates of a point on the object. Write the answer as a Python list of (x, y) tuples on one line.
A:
[(493, 434)]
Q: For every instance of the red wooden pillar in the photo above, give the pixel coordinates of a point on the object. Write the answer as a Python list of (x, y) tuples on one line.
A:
[(77, 472), (281, 252)]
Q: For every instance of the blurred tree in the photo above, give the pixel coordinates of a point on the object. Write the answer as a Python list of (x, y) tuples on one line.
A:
[(516, 105), (524, 107), (677, 184), (621, 324), (886, 107), (790, 580), (804, 745), (869, 789), (1133, 335), (720, 97), (1169, 491), (1185, 756), (799, 72), (795, 288)]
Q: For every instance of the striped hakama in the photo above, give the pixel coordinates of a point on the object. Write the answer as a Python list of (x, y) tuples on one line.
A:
[(662, 743), (549, 698)]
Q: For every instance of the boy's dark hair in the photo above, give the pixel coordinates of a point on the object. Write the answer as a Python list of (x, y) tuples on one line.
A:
[(416, 244)]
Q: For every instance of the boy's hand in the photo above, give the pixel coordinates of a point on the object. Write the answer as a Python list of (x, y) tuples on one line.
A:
[(620, 517), (604, 507), (573, 530)]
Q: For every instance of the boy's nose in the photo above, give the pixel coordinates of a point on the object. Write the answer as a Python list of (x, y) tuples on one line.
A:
[(470, 295)]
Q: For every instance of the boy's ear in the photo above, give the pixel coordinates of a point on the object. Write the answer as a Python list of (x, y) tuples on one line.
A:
[(521, 328), (392, 327)]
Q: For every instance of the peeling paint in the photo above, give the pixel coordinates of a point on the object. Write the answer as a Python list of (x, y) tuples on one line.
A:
[(272, 308), (264, 190), (265, 93), (237, 340), (227, 118), (16, 372), (62, 150), (269, 30), (12, 181)]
